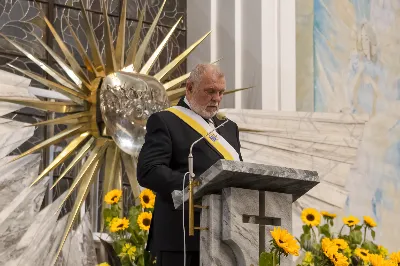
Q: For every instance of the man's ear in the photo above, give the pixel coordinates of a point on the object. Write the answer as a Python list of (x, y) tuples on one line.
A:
[(189, 87)]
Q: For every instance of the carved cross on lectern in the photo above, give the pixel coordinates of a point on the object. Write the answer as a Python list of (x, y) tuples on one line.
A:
[(248, 216)]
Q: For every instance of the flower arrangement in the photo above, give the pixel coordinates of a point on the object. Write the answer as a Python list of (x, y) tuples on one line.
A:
[(349, 247), (129, 234), (321, 246)]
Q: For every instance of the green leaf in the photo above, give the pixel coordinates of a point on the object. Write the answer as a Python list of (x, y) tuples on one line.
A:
[(324, 230), (358, 227), (356, 237), (306, 229), (331, 222), (370, 246), (266, 259), (373, 234)]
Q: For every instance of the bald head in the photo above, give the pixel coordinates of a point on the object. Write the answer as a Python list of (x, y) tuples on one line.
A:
[(204, 89)]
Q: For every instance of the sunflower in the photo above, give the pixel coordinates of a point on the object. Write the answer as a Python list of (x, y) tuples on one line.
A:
[(118, 224), (103, 264), (144, 220), (325, 243), (339, 259), (113, 196), (383, 251), (369, 221), (311, 217), (147, 198), (351, 220), (340, 243), (395, 257), (285, 241), (328, 215), (362, 254), (330, 251), (376, 260)]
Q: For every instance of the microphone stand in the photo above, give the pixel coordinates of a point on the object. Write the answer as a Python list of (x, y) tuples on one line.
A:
[(193, 183)]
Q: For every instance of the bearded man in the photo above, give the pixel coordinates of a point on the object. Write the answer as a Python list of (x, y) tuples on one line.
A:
[(163, 160)]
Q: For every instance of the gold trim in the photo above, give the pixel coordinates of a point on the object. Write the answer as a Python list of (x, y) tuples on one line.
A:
[(111, 65), (130, 58), (120, 46)]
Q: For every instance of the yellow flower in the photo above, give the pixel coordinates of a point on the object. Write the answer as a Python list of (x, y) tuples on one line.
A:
[(362, 254), (340, 243), (325, 243), (339, 259), (383, 251), (330, 251), (103, 264), (369, 221), (144, 220), (351, 220), (147, 198), (328, 215), (308, 258), (285, 241), (395, 257), (376, 260), (118, 224), (311, 216), (113, 196), (128, 250)]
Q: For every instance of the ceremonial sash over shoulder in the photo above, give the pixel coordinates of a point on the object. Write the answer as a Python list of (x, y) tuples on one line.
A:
[(201, 126)]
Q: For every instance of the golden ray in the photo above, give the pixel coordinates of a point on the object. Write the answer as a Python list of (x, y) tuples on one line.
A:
[(82, 152), (53, 73), (149, 64), (130, 58), (120, 46), (130, 169), (236, 90), (82, 52), (94, 50), (176, 94), (72, 94), (64, 66), (97, 152), (175, 83), (167, 70), (63, 155), (111, 65), (87, 179), (70, 58), (112, 175), (81, 117), (142, 49), (52, 140), (58, 107)]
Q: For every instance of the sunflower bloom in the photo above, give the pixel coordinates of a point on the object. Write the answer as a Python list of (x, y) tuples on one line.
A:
[(362, 254), (328, 215), (383, 251), (147, 198), (118, 224), (144, 220), (376, 260), (113, 196), (285, 241), (103, 264), (311, 216), (350, 221), (325, 243), (395, 257), (369, 221), (339, 259), (340, 243)]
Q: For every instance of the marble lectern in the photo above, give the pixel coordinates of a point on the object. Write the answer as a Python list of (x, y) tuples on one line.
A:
[(244, 201)]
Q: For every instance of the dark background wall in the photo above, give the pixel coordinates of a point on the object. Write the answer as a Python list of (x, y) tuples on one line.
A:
[(21, 20)]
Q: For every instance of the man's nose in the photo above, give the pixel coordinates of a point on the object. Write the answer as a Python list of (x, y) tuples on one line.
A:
[(217, 97)]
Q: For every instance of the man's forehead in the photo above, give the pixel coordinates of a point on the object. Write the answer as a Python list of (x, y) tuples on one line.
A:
[(212, 77)]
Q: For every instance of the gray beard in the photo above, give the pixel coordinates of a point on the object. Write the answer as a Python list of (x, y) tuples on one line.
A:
[(201, 111)]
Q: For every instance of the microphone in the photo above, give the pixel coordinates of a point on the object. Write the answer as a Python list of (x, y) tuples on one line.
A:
[(220, 116)]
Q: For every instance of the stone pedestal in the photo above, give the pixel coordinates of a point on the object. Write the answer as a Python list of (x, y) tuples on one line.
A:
[(245, 202)]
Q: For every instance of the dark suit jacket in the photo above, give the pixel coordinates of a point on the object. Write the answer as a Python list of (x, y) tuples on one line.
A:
[(162, 163)]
